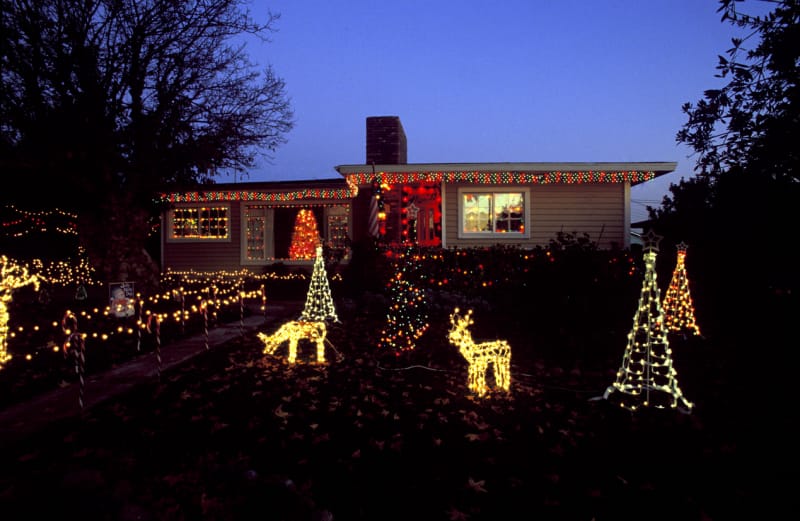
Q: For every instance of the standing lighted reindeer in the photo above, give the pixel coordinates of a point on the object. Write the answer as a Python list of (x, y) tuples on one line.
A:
[(293, 332), (479, 356)]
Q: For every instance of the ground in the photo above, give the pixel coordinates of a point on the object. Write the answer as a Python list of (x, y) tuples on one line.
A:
[(237, 434)]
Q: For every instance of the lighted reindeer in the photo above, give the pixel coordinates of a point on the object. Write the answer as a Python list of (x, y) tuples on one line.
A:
[(479, 356), (293, 332)]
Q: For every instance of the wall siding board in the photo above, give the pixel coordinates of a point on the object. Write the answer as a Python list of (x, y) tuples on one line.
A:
[(592, 208)]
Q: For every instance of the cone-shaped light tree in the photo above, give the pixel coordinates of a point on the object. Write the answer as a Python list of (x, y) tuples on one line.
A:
[(319, 301), (647, 377), (407, 318), (678, 306)]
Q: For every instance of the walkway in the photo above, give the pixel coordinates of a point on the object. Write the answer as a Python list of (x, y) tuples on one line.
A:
[(23, 419)]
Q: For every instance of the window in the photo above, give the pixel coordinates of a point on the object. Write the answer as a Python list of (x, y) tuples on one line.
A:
[(255, 218), (199, 222), (484, 212)]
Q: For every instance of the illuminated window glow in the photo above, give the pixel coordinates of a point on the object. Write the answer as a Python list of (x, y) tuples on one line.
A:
[(199, 222), (488, 213)]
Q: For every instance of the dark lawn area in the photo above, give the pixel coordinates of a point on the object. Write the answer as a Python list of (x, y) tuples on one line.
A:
[(235, 434)]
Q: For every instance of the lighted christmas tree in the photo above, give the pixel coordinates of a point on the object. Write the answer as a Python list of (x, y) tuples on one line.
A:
[(678, 307), (12, 276), (407, 319), (319, 301), (305, 236), (647, 376)]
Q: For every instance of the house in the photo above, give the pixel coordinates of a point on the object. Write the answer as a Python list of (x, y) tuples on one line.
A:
[(448, 205)]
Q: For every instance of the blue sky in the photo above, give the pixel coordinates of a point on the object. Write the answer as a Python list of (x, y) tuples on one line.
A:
[(492, 81)]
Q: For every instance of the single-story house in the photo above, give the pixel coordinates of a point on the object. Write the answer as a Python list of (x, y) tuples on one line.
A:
[(233, 226)]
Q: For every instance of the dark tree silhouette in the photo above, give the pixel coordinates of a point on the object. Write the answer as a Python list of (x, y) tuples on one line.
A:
[(103, 103), (740, 215)]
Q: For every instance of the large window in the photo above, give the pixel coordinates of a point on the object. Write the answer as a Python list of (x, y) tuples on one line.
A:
[(199, 223), (486, 212)]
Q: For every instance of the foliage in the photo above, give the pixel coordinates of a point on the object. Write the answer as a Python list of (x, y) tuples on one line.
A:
[(105, 103), (738, 215)]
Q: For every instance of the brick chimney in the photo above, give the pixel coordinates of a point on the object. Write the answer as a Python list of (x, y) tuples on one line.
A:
[(386, 141)]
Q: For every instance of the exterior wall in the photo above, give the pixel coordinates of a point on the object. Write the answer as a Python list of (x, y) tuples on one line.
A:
[(228, 255), (600, 210), (205, 255)]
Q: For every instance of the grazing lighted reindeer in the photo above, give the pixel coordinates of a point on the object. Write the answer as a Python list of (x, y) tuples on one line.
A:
[(293, 332), (479, 356)]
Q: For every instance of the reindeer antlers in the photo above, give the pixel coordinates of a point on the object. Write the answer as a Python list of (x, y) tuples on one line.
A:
[(464, 321)]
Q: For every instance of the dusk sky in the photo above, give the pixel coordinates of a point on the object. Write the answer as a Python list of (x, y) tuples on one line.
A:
[(493, 81)]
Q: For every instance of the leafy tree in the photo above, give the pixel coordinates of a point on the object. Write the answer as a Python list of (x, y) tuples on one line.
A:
[(104, 103), (739, 217), (739, 209)]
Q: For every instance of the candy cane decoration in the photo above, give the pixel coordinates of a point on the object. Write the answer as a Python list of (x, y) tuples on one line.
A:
[(74, 340), (204, 308), (264, 302), (154, 318), (241, 312), (183, 311), (139, 324)]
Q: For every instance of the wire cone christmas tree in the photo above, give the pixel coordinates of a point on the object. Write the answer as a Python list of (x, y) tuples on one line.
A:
[(319, 301), (647, 377), (678, 307)]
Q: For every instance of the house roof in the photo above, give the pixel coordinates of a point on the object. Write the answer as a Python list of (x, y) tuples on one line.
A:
[(633, 172), (267, 191)]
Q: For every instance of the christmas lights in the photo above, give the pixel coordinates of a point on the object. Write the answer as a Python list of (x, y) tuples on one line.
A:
[(12, 276), (406, 319), (647, 376), (363, 178), (480, 356), (305, 236), (319, 302), (292, 332), (677, 305)]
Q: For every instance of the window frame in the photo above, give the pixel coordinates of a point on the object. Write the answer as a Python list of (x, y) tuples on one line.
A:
[(199, 237), (494, 190)]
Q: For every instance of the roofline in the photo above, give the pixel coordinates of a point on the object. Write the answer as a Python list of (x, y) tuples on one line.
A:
[(657, 167)]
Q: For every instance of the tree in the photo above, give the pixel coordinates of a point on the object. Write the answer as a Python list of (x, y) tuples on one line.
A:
[(104, 103), (739, 214), (739, 209)]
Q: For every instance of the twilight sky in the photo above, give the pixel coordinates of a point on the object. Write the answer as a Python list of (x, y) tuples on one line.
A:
[(493, 80)]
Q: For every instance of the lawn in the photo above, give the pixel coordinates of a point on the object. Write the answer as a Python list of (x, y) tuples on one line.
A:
[(236, 434)]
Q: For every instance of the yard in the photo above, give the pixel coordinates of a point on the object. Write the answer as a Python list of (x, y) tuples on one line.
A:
[(237, 434)]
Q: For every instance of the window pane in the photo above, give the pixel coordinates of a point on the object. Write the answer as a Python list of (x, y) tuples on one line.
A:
[(200, 223), (255, 222), (477, 212), (508, 212)]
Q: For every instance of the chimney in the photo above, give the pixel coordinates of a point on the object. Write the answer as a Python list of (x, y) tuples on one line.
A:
[(386, 141)]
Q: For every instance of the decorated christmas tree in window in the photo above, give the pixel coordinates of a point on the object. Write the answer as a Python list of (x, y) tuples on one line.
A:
[(647, 377), (319, 301), (407, 318), (678, 307), (305, 236)]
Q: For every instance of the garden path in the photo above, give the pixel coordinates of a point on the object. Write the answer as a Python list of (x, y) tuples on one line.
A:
[(26, 418)]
